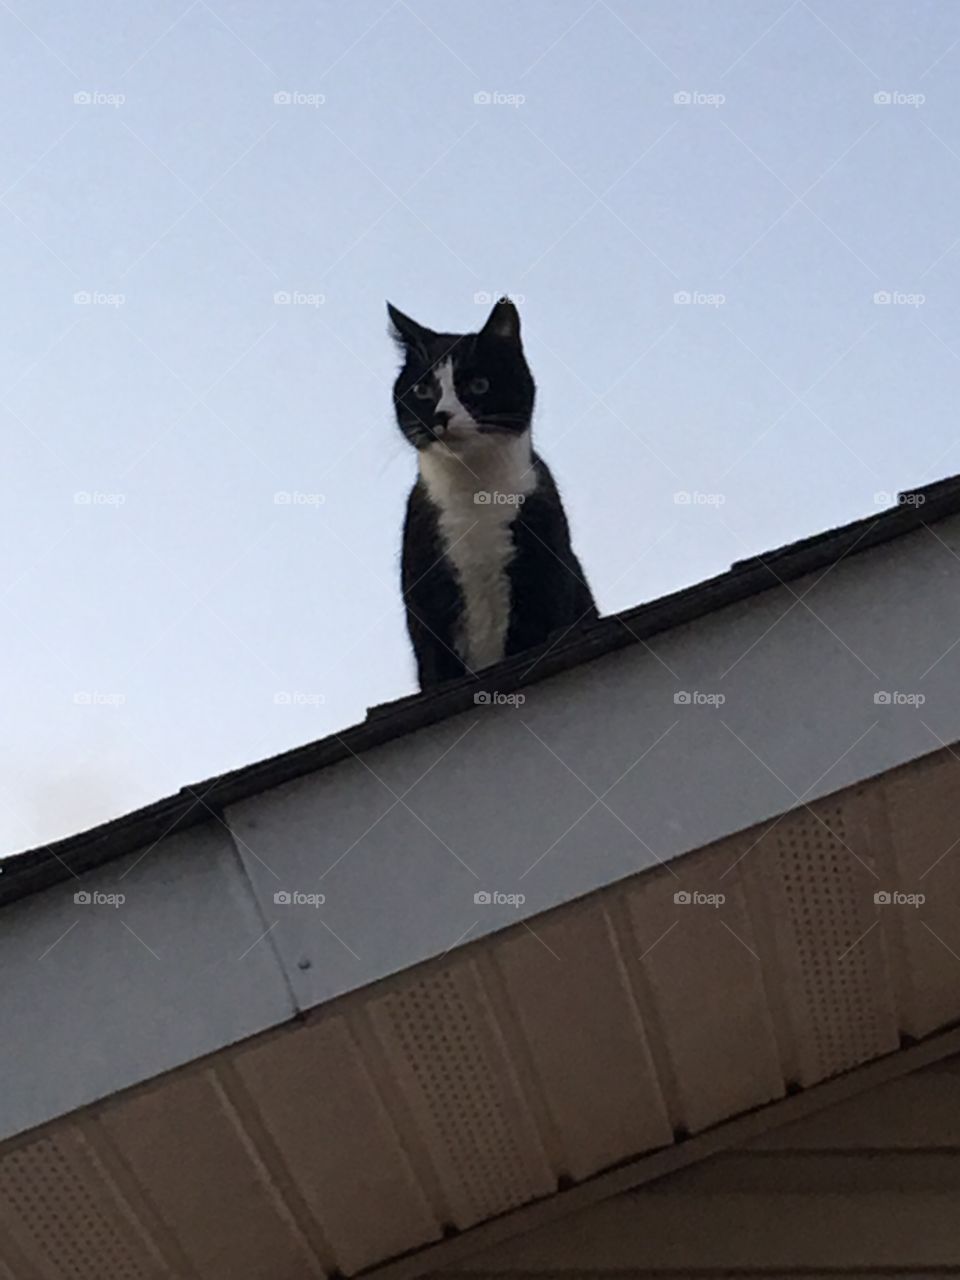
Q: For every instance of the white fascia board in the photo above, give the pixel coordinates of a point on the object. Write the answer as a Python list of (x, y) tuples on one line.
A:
[(601, 772)]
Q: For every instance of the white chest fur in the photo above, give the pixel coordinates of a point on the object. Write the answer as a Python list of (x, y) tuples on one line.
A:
[(478, 486)]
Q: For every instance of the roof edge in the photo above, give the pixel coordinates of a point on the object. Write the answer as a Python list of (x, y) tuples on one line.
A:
[(646, 1168), (45, 865)]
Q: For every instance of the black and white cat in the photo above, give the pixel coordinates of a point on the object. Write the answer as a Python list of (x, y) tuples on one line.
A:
[(487, 565)]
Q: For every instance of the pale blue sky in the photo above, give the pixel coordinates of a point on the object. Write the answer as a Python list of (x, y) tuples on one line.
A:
[(149, 631)]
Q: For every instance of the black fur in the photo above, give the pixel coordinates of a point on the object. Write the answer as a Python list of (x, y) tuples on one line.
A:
[(548, 592)]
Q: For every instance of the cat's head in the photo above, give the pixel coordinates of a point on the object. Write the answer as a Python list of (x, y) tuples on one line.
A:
[(462, 389)]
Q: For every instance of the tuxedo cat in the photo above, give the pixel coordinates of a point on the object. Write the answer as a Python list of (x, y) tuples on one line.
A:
[(487, 565)]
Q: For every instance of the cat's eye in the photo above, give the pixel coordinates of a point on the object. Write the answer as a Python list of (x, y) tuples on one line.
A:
[(422, 391), (478, 386)]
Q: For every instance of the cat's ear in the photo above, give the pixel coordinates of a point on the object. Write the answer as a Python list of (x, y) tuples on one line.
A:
[(406, 331), (503, 322)]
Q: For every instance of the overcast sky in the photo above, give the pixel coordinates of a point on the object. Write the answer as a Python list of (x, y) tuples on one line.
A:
[(179, 165)]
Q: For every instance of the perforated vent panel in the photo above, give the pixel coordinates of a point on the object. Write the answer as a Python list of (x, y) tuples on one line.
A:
[(447, 1051), (47, 1190), (829, 900)]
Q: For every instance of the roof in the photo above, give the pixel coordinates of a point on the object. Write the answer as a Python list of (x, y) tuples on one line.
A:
[(48, 864), (405, 1067), (499, 1088)]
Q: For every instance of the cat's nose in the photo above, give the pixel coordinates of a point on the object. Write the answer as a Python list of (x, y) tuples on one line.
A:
[(441, 418)]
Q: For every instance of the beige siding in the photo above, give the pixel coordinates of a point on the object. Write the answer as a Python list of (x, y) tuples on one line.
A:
[(867, 1187)]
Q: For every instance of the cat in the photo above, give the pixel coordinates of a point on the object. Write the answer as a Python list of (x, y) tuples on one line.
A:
[(487, 568)]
